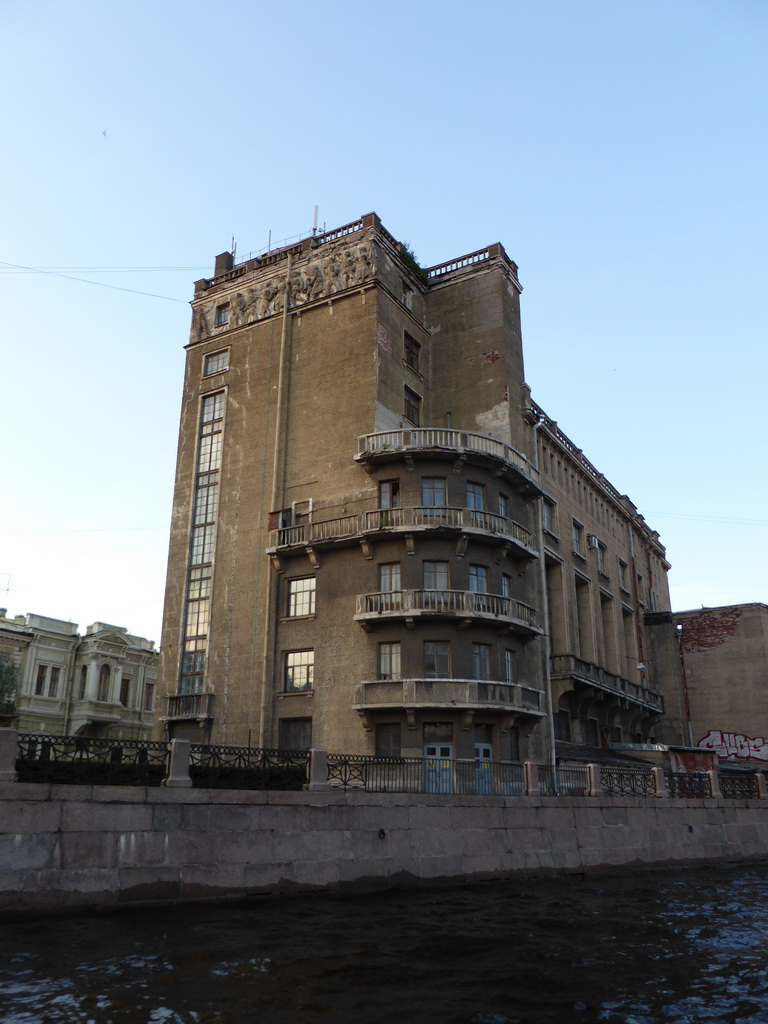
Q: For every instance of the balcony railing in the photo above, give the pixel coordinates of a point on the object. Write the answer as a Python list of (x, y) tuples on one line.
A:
[(419, 517), (437, 438), (449, 693), (596, 675), (188, 705), (458, 603)]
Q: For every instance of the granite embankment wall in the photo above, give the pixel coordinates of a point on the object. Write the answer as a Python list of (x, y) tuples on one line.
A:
[(79, 847)]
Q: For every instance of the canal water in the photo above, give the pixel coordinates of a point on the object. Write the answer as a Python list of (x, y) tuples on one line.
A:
[(689, 946)]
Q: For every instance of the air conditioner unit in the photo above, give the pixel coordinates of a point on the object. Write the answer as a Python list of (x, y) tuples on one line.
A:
[(592, 541)]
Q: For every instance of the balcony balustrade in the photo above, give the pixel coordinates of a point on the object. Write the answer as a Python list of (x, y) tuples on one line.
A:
[(448, 693), (387, 520), (460, 604), (187, 705), (566, 666), (386, 443)]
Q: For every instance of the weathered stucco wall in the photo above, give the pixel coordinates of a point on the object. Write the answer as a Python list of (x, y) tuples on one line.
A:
[(67, 847)]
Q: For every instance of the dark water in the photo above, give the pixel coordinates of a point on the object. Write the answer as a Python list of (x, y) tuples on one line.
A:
[(683, 947)]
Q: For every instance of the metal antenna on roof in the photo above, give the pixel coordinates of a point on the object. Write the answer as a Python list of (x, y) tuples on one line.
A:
[(314, 220)]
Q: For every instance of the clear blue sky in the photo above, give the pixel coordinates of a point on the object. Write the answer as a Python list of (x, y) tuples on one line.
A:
[(618, 150)]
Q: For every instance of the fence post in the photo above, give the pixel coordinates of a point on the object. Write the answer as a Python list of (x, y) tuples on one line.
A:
[(531, 779), (762, 786), (714, 781), (318, 771), (9, 739), (178, 764), (594, 785), (659, 785)]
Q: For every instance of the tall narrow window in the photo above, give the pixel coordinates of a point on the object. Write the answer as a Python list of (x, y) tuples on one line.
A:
[(299, 670), (503, 507), (389, 494), (478, 585), (53, 682), (481, 661), (577, 535), (83, 682), (105, 678), (125, 692), (411, 351), (389, 660), (389, 586), (42, 673), (412, 406), (509, 666), (149, 697), (476, 501), (437, 659)]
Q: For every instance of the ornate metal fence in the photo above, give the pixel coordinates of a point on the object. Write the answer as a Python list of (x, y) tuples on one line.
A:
[(627, 781), (739, 787), (425, 775), (688, 784), (86, 760), (215, 767)]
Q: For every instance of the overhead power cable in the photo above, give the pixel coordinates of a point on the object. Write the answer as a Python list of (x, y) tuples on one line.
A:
[(83, 280)]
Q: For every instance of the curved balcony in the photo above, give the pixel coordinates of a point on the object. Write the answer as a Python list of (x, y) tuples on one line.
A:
[(569, 670), (464, 607), (385, 521), (457, 445), (456, 694)]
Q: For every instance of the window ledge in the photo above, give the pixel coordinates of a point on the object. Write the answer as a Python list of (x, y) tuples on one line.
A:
[(295, 693), (298, 618)]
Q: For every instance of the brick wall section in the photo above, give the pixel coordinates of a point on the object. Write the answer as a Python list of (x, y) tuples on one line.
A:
[(709, 628), (74, 848)]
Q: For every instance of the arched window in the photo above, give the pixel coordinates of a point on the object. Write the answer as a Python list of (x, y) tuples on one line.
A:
[(104, 680)]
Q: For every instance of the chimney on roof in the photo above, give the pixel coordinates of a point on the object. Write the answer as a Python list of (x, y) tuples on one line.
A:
[(224, 262)]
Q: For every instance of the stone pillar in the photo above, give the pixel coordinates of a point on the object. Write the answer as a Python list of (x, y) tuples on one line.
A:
[(714, 779), (318, 771), (762, 786), (531, 779), (178, 764), (594, 785), (8, 749), (659, 785)]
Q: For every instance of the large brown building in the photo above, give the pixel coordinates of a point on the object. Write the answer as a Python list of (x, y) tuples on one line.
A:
[(368, 506)]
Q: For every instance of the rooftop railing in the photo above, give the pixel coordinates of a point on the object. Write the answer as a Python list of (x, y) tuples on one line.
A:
[(443, 439)]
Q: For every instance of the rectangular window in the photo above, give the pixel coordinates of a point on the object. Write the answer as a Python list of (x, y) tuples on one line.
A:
[(509, 666), (213, 408), (437, 659), (411, 351), (42, 672), (389, 494), (412, 406), (388, 743), (294, 733), (301, 596), (202, 545), (216, 362), (389, 586), (506, 585), (299, 670), (435, 575), (197, 618), (503, 508), (125, 692), (433, 492), (481, 661), (475, 496), (222, 315), (577, 534), (192, 667), (548, 516), (478, 579), (389, 661), (623, 575), (149, 697), (601, 558), (206, 499), (53, 682), (210, 452)]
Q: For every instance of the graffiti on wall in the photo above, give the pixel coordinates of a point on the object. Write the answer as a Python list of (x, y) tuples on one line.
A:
[(733, 744)]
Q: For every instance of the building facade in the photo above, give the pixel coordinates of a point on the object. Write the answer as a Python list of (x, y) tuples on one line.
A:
[(372, 521), (100, 684), (724, 654)]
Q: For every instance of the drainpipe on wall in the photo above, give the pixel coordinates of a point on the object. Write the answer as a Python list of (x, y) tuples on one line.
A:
[(545, 612), (271, 612)]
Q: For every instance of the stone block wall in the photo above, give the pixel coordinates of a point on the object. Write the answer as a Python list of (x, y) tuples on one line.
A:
[(77, 847)]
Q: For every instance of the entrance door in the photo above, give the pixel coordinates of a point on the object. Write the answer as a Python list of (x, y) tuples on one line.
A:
[(483, 768), (438, 773)]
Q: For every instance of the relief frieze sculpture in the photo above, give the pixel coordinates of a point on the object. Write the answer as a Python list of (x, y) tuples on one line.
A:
[(311, 279)]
